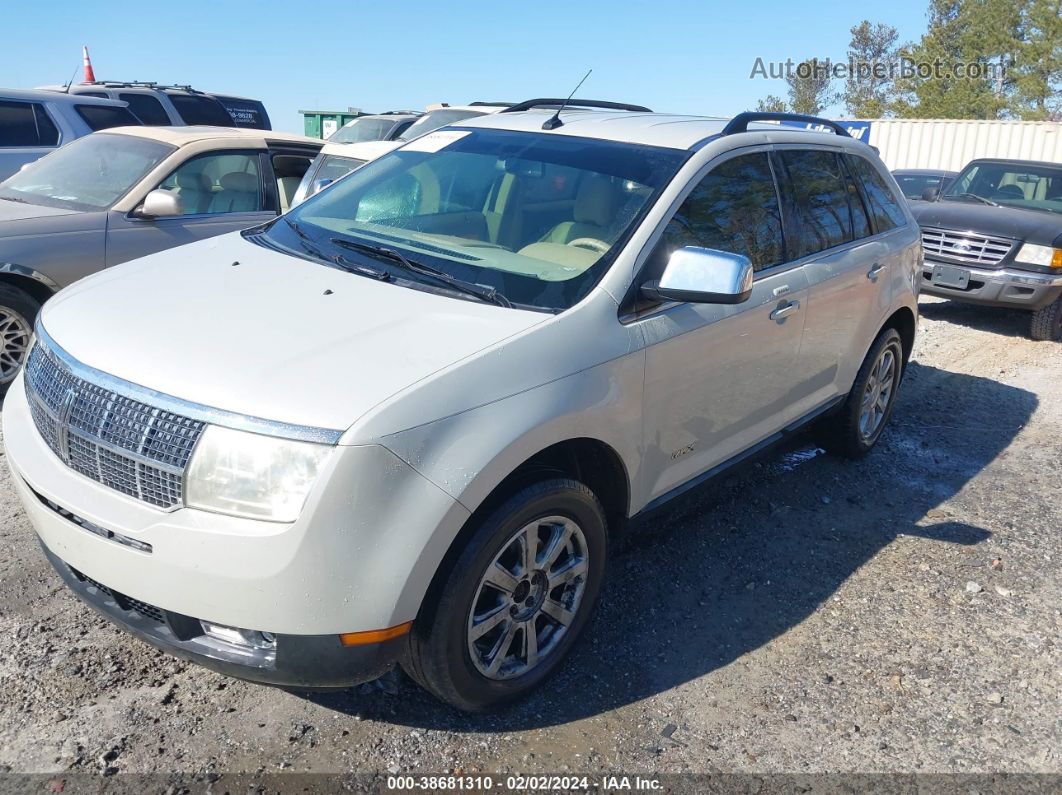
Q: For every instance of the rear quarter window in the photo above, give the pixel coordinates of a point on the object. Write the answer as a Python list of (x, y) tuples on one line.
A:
[(247, 113), (102, 117), (884, 204)]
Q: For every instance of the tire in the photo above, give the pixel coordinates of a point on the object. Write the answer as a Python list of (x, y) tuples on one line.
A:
[(849, 432), (1047, 322), (441, 645), (18, 311)]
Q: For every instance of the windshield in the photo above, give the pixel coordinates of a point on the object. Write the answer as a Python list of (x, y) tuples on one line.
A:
[(435, 119), (1032, 186), (914, 185), (90, 173), (363, 129), (535, 217)]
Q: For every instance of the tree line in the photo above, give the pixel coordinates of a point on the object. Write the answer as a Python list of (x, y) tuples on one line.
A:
[(978, 59)]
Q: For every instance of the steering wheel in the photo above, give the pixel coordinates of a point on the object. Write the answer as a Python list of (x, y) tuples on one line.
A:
[(592, 243)]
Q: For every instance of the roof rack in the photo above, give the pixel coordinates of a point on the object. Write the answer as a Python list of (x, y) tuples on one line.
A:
[(144, 84), (574, 103), (740, 123), (491, 104)]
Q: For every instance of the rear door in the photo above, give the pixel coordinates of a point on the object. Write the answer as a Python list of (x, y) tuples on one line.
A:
[(222, 191), (847, 265), (27, 132), (720, 379)]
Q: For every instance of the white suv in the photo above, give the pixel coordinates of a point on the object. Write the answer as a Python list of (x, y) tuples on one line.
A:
[(406, 421)]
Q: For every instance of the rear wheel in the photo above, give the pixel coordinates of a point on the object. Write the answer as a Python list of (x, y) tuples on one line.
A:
[(1047, 322), (856, 428), (18, 311), (516, 599)]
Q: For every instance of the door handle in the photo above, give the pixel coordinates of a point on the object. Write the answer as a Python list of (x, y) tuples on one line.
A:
[(782, 312), (873, 273)]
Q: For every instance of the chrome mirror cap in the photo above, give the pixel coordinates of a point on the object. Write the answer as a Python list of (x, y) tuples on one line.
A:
[(703, 276), (160, 204)]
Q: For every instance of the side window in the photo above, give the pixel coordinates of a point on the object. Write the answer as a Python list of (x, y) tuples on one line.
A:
[(26, 124), (884, 207), (818, 188), (734, 208), (860, 220), (102, 117), (229, 182), (146, 108)]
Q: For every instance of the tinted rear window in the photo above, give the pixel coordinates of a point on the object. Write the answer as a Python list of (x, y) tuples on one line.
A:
[(101, 117), (817, 185), (146, 108), (26, 124), (195, 109), (883, 204), (247, 113)]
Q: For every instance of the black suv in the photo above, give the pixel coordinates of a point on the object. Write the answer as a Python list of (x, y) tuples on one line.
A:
[(994, 237)]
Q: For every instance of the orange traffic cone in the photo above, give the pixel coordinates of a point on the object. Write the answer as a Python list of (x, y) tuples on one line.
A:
[(90, 77)]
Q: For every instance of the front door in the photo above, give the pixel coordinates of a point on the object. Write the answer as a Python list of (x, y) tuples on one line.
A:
[(220, 192), (719, 379)]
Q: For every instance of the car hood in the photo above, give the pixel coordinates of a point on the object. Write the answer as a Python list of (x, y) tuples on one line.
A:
[(1029, 225), (231, 325), (20, 211)]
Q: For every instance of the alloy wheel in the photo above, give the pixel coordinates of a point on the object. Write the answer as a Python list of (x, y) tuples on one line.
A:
[(15, 336), (878, 393), (527, 598)]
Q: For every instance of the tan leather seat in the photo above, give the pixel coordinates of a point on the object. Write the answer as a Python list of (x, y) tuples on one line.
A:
[(594, 212), (286, 187), (238, 194), (194, 189)]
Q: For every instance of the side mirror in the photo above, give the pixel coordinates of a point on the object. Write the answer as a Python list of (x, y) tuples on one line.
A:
[(321, 184), (930, 194), (703, 276), (160, 204)]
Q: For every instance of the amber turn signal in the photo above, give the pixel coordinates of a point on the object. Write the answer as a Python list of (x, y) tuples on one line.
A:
[(374, 635)]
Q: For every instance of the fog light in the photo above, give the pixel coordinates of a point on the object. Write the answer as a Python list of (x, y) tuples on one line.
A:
[(247, 638)]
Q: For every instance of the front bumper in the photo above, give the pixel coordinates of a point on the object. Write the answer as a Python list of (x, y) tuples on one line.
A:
[(1006, 287), (310, 662)]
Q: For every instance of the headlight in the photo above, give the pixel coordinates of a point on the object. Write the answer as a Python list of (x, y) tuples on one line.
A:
[(1031, 254), (247, 474)]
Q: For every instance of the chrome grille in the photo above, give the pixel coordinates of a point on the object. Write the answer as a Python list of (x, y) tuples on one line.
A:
[(965, 247), (122, 443)]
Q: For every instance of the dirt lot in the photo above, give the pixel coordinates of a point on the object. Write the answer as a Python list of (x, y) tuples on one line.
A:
[(808, 615)]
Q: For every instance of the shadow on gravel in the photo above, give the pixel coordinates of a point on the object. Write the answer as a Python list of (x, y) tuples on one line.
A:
[(997, 320), (753, 555)]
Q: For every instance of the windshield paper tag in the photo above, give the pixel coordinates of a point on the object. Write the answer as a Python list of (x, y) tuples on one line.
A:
[(435, 141)]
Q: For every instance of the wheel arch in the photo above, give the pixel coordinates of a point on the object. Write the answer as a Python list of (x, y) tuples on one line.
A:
[(30, 281), (904, 322), (591, 461)]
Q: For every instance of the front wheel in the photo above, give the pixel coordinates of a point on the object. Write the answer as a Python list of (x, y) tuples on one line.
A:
[(18, 310), (855, 429), (515, 600), (1047, 322)]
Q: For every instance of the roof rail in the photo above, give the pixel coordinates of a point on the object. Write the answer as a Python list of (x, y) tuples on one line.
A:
[(574, 103), (740, 123)]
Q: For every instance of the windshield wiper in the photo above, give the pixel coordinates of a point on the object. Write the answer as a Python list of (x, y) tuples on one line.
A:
[(311, 248), (975, 196), (488, 294), (13, 199)]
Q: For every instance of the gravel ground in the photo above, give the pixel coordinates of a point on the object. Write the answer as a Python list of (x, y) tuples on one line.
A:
[(899, 614)]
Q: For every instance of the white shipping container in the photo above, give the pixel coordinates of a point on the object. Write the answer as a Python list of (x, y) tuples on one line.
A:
[(950, 144)]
